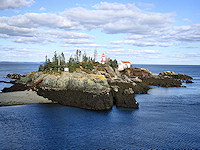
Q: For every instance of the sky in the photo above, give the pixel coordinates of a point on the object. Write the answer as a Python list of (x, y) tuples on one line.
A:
[(139, 31)]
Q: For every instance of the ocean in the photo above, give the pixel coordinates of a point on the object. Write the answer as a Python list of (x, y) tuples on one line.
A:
[(167, 118)]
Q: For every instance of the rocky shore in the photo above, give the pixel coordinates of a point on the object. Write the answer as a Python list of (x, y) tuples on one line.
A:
[(98, 89)]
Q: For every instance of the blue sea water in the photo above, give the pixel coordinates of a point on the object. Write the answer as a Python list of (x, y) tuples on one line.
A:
[(167, 118)]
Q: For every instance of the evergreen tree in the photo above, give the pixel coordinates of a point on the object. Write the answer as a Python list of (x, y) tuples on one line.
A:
[(62, 59), (113, 63), (84, 58), (41, 68), (55, 61), (77, 56)]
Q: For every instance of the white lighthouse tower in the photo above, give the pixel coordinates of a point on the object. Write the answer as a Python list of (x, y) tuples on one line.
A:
[(103, 59)]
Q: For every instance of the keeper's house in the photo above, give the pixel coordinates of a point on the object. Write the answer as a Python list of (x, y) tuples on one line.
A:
[(123, 65)]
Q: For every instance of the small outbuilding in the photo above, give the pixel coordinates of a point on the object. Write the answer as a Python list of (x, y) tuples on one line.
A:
[(66, 69), (123, 65)]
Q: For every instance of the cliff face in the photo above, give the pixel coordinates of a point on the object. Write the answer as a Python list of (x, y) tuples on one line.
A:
[(88, 91)]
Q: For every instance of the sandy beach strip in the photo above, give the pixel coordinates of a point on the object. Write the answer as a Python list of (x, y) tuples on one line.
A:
[(21, 98)]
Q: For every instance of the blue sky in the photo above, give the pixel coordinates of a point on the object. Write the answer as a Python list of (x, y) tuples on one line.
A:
[(140, 31)]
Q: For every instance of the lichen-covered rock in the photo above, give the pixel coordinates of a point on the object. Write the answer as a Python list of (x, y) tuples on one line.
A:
[(167, 73), (88, 91), (170, 74), (118, 74), (136, 72)]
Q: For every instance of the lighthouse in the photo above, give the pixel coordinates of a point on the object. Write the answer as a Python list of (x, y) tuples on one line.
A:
[(103, 59)]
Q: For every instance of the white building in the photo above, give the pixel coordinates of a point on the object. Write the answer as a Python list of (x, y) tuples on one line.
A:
[(66, 69), (123, 65)]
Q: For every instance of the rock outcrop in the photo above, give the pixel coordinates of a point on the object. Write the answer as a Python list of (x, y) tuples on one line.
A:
[(98, 89), (88, 91), (136, 72), (15, 76), (170, 74)]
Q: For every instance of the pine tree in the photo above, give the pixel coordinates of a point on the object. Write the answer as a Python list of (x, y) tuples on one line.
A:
[(62, 59), (84, 58), (55, 61)]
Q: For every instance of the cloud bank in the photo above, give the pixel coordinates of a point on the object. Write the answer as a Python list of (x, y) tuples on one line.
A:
[(73, 27), (11, 4)]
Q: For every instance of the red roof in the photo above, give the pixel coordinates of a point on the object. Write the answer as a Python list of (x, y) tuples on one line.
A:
[(126, 62)]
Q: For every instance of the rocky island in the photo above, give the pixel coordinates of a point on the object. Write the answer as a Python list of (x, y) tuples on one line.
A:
[(98, 88)]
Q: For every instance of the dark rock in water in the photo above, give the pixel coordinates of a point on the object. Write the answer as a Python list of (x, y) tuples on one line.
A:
[(189, 81), (164, 82), (123, 95), (174, 75), (14, 76), (184, 76), (77, 98)]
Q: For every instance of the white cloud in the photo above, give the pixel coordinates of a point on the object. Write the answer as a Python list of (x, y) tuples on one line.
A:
[(42, 9), (108, 6), (118, 18), (8, 30), (131, 53), (142, 43), (34, 20), (191, 47), (6, 4), (187, 20), (33, 40), (193, 54), (143, 28), (76, 41), (71, 35), (147, 6)]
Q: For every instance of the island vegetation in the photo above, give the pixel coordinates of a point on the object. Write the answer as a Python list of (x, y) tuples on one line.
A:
[(79, 60)]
